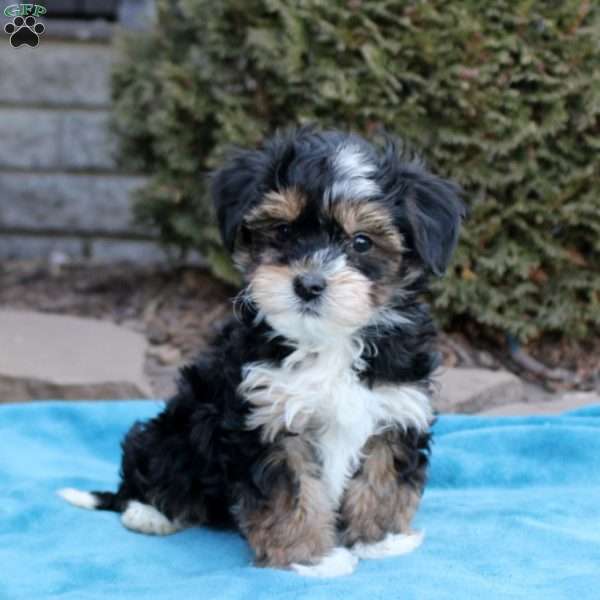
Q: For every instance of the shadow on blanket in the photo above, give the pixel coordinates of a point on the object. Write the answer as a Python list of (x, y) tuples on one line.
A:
[(512, 510)]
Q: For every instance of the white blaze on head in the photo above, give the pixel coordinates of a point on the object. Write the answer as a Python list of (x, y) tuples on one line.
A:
[(353, 171)]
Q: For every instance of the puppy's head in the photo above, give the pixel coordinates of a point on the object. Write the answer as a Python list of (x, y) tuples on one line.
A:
[(330, 232)]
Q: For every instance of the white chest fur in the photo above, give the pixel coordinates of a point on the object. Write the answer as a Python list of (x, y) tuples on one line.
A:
[(319, 391)]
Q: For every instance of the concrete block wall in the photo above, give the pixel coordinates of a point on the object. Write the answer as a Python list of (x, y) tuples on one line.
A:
[(61, 188)]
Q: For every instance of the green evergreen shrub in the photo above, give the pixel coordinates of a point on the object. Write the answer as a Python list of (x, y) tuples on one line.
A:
[(503, 96)]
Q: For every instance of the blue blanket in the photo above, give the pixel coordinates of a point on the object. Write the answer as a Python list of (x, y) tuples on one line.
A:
[(512, 510)]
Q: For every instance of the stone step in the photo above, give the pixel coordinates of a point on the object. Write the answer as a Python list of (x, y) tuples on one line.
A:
[(473, 390), (59, 202), (45, 357), (558, 404), (56, 139), (71, 248), (56, 74)]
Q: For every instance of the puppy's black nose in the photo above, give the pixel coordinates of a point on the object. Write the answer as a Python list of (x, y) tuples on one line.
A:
[(309, 286)]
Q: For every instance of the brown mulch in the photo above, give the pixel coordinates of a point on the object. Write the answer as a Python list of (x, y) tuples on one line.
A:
[(553, 362), (178, 310)]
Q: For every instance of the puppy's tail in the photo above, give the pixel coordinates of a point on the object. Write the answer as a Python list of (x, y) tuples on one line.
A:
[(91, 500)]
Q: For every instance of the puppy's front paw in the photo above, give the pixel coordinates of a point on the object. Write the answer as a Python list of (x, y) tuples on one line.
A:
[(340, 561), (393, 544)]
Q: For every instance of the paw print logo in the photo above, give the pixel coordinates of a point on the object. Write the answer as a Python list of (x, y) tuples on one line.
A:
[(24, 31)]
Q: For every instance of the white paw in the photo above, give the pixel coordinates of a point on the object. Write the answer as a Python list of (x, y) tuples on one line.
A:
[(340, 561), (146, 519), (393, 544)]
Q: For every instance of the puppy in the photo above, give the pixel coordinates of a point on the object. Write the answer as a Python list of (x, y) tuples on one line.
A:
[(305, 426)]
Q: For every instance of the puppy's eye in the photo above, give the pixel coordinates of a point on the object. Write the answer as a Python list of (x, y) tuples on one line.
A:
[(361, 243), (282, 231)]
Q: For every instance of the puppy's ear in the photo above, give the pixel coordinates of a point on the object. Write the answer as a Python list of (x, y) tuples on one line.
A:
[(428, 209), (434, 212), (245, 179), (235, 189)]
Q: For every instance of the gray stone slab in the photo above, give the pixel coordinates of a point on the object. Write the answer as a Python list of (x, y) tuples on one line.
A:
[(102, 250), (474, 390), (56, 139), (46, 356), (137, 14), (68, 203), (28, 142), (80, 30), (26, 247), (558, 404), (56, 74), (86, 141)]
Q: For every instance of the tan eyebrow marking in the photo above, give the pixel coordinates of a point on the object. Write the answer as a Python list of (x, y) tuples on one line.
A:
[(370, 218), (285, 205)]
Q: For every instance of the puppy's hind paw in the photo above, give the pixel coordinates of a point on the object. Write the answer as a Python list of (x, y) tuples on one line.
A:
[(144, 518), (340, 561), (393, 544)]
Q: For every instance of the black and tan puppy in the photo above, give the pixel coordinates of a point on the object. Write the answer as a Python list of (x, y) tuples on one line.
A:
[(305, 426)]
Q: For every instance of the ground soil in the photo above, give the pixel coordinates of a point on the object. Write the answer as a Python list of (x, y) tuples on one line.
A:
[(179, 309)]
